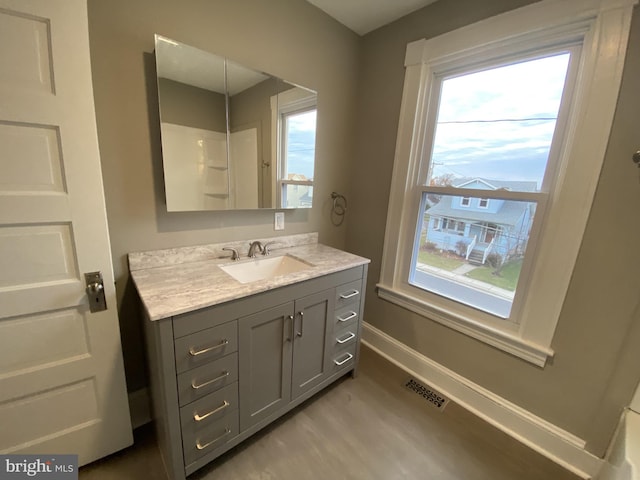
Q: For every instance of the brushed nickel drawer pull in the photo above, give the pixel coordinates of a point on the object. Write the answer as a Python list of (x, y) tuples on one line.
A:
[(194, 353), (349, 357), (199, 418), (196, 387), (290, 318), (353, 293), (301, 332), (351, 336), (199, 446), (348, 317)]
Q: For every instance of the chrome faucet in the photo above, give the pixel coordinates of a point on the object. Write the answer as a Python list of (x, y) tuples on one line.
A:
[(266, 248), (252, 248), (234, 253)]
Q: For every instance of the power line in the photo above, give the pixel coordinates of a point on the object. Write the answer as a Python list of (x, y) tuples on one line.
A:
[(501, 120)]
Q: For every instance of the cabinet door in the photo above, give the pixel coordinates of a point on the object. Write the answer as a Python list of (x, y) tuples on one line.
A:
[(265, 347), (313, 325)]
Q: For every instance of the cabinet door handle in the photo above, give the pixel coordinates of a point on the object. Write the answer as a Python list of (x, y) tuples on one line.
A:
[(338, 363), (199, 446), (352, 293), (198, 418), (194, 353), (288, 339), (196, 387), (299, 334), (348, 317), (347, 338)]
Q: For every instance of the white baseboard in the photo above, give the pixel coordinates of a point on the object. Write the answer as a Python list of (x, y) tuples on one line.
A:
[(547, 439), (140, 407)]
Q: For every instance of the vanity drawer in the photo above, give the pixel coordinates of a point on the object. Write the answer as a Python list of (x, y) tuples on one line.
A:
[(345, 337), (206, 440), (208, 378), (343, 359), (197, 415), (348, 294), (202, 347), (345, 317)]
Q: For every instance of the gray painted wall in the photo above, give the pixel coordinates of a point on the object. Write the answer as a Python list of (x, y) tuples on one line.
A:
[(191, 106), (597, 341), (288, 38)]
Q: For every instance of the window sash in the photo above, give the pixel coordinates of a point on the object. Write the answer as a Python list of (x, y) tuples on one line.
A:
[(453, 307)]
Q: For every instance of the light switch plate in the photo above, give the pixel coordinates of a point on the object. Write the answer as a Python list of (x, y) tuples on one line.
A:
[(278, 222)]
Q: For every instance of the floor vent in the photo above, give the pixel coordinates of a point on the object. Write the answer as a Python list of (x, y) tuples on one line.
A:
[(432, 396)]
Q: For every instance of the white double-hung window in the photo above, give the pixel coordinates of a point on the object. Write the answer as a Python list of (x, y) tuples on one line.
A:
[(503, 130)]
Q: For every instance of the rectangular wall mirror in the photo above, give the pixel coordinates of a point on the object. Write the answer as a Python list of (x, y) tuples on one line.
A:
[(232, 137)]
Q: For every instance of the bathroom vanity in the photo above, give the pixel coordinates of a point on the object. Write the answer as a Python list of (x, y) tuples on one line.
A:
[(231, 352)]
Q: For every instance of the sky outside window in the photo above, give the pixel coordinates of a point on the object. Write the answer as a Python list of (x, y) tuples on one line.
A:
[(301, 144), (499, 123)]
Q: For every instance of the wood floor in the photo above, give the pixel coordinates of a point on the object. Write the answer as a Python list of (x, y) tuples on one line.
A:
[(368, 428)]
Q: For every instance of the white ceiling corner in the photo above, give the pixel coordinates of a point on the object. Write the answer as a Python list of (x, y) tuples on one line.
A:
[(363, 16)]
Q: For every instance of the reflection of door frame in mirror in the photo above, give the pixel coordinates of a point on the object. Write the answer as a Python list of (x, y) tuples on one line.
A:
[(245, 188), (294, 100)]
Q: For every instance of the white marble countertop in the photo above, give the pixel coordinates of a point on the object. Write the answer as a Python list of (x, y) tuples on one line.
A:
[(183, 287)]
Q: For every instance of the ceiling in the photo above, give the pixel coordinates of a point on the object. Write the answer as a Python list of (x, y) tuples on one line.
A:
[(192, 66), (363, 16)]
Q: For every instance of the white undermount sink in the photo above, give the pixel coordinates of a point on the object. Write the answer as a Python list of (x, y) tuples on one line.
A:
[(264, 268)]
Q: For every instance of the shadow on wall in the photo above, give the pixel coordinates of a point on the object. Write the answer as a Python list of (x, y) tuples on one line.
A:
[(131, 329)]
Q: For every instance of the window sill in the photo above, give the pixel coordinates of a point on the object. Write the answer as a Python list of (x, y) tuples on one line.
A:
[(506, 341)]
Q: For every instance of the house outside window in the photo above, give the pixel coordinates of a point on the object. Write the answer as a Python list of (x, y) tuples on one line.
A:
[(510, 176)]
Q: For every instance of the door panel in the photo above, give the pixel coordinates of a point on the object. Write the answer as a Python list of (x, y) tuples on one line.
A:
[(312, 342), (46, 419), (265, 363), (36, 254), (62, 386), (44, 339), (29, 55), (31, 159)]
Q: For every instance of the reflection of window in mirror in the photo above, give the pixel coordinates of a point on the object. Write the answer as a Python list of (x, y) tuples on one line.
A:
[(296, 113)]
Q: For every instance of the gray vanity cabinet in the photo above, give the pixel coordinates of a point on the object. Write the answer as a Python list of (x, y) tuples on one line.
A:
[(220, 374), (285, 352)]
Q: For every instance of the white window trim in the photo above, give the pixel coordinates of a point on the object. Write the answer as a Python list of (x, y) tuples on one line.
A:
[(604, 27), (289, 101), (480, 200)]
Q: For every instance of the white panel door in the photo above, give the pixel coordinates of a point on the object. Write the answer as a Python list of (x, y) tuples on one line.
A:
[(62, 387)]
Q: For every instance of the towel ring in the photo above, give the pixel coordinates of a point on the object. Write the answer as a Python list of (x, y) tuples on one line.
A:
[(339, 208)]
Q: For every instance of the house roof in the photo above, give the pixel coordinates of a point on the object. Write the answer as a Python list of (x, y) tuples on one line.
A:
[(509, 213), (514, 185)]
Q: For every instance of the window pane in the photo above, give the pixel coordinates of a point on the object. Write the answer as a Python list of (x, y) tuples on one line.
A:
[(297, 196), (300, 145), (498, 123), (472, 255)]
